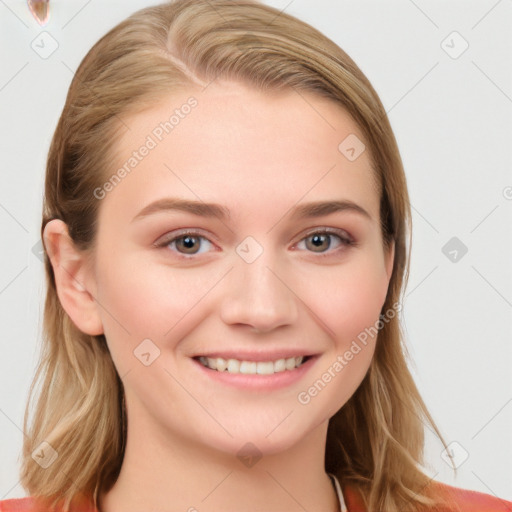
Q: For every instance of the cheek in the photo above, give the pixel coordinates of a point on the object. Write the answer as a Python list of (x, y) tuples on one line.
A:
[(142, 301), (349, 298), (349, 304)]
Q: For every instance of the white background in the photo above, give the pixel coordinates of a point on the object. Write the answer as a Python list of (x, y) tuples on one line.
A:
[(452, 118)]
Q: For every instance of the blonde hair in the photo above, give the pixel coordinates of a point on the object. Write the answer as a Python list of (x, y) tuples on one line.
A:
[(375, 441)]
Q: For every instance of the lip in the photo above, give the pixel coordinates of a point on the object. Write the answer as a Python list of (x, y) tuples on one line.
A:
[(257, 382), (258, 356)]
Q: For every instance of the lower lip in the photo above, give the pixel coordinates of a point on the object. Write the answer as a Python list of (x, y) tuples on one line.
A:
[(258, 382)]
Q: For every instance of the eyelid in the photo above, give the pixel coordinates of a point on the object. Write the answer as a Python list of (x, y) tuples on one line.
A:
[(172, 235), (346, 239), (343, 234)]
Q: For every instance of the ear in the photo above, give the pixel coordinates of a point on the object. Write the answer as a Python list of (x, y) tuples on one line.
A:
[(73, 278)]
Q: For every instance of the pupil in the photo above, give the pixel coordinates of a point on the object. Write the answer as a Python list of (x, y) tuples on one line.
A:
[(188, 242), (317, 240)]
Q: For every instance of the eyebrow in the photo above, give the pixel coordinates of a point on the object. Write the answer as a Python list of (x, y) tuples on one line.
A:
[(305, 210)]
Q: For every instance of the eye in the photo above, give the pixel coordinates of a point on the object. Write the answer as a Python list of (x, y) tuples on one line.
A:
[(320, 241), (189, 243), (186, 243)]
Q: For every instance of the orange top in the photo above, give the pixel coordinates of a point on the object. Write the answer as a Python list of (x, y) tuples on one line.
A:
[(463, 501)]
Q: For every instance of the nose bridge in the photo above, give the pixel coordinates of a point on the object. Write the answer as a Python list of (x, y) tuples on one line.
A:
[(257, 293)]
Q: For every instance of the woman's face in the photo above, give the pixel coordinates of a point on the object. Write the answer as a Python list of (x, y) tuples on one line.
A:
[(258, 280)]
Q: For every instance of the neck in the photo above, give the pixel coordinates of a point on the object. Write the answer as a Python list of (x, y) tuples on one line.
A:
[(163, 473)]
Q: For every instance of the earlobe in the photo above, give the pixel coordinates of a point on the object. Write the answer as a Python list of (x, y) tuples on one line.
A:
[(72, 278)]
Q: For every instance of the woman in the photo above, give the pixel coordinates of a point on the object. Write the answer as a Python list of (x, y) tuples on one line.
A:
[(203, 351)]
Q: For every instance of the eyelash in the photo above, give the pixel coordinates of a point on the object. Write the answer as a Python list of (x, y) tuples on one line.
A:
[(345, 241)]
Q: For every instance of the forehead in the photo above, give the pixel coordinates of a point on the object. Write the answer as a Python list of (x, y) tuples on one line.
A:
[(248, 149)]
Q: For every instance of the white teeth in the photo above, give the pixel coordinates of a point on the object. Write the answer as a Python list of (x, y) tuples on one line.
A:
[(266, 368), (248, 367), (233, 366), (280, 365), (222, 364), (290, 363), (251, 367)]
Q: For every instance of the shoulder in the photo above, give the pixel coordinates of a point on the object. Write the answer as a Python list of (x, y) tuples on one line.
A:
[(458, 500), (18, 505), (30, 504), (472, 501)]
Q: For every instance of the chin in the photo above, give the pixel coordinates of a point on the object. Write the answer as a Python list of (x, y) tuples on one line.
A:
[(261, 440)]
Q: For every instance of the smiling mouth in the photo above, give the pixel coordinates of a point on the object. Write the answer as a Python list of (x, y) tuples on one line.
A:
[(235, 366)]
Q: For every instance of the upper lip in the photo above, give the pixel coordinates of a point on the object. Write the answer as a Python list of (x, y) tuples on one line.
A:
[(269, 355)]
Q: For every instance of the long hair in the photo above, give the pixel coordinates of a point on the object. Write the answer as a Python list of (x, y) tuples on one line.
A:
[(375, 441)]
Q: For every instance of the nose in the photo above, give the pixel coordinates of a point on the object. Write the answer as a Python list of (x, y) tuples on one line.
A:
[(259, 295)]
